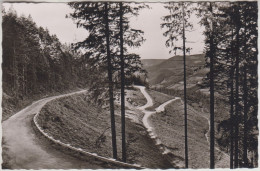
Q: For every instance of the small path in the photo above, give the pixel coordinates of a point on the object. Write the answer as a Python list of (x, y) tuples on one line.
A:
[(148, 114), (161, 108), (221, 162), (25, 150), (149, 102), (225, 158)]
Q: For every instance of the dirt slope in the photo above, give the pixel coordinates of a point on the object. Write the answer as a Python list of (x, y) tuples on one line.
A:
[(80, 123), (169, 127)]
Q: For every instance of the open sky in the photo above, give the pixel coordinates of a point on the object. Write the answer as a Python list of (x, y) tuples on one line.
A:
[(52, 16)]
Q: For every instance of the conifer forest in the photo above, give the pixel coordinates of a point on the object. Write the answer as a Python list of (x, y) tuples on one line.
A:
[(130, 85)]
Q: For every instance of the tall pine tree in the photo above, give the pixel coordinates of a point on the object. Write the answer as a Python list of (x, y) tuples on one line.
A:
[(176, 23)]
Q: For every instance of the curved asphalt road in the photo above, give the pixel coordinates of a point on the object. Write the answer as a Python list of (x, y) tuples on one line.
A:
[(26, 151)]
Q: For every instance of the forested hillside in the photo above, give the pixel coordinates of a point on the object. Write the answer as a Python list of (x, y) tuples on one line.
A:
[(35, 63), (230, 85), (168, 73), (212, 117)]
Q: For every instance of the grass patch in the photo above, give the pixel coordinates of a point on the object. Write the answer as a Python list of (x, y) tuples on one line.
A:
[(11, 105), (198, 101), (169, 126), (137, 98), (158, 99), (5, 157)]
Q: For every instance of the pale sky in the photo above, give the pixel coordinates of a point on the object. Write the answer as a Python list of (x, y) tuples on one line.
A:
[(52, 16)]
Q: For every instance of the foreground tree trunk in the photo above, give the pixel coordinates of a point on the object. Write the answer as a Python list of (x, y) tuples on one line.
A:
[(232, 107), (237, 88), (212, 115), (122, 84), (245, 120), (185, 98), (111, 96), (245, 89), (231, 119)]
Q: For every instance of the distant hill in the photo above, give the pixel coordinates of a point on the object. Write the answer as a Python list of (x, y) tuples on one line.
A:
[(169, 73), (151, 62)]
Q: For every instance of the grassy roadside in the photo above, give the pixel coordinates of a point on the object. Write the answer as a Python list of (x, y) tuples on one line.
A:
[(135, 97), (171, 124), (5, 158), (11, 105), (200, 101), (75, 120)]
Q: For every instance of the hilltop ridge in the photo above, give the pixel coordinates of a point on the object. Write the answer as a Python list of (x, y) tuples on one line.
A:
[(169, 72)]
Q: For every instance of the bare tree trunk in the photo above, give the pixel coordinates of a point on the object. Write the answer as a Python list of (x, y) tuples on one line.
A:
[(237, 91), (232, 108), (111, 98), (212, 115), (122, 84), (245, 159), (185, 98), (26, 80), (23, 80), (14, 70), (231, 118), (245, 120)]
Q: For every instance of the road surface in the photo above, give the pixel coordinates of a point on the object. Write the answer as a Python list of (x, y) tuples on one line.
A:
[(25, 150)]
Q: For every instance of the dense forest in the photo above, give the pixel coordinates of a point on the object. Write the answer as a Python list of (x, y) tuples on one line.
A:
[(35, 62), (231, 53), (231, 32)]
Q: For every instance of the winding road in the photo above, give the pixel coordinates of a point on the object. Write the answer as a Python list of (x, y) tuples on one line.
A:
[(25, 150), (148, 114), (223, 161)]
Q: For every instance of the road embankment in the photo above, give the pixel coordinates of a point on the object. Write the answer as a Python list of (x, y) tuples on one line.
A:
[(76, 122)]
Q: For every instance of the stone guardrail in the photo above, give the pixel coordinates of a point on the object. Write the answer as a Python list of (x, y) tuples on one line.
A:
[(109, 160)]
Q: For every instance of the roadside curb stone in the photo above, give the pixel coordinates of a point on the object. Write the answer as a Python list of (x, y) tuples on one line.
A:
[(105, 159)]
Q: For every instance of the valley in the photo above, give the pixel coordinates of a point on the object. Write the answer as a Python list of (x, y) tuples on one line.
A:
[(72, 119), (80, 92), (168, 73)]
